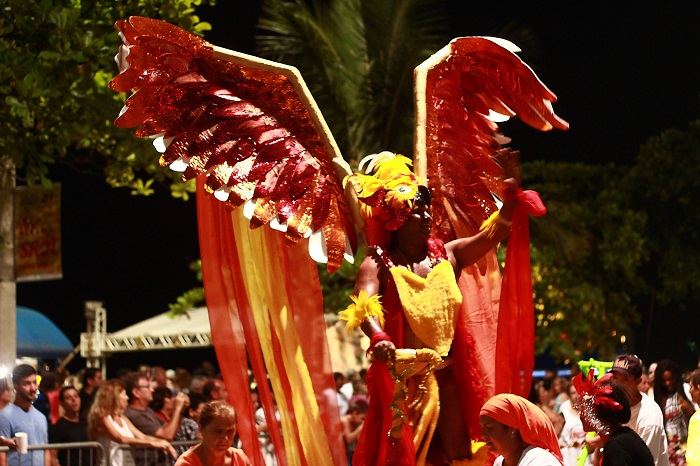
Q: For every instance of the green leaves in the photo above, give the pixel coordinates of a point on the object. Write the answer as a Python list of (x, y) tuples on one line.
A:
[(664, 183), (357, 56), (56, 59), (585, 255)]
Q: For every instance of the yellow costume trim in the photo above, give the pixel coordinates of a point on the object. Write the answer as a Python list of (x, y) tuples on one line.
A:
[(363, 307), (431, 305), (492, 223), (417, 391)]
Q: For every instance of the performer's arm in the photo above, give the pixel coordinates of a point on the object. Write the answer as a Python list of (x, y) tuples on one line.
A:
[(464, 252), (368, 280)]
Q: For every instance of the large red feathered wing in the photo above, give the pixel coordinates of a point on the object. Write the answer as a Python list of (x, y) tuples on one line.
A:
[(458, 92), (249, 125), (461, 92)]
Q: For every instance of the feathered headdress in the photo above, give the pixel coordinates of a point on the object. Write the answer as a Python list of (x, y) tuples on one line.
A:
[(387, 189), (594, 394)]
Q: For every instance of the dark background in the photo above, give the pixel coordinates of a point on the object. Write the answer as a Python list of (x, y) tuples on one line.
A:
[(622, 73)]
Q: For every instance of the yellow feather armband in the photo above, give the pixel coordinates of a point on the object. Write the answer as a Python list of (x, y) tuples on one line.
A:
[(362, 306), (491, 224)]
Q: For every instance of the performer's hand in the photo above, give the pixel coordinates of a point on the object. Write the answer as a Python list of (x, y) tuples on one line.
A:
[(384, 351), (508, 160)]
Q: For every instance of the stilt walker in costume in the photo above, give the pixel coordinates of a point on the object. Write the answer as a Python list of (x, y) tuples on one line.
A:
[(250, 132)]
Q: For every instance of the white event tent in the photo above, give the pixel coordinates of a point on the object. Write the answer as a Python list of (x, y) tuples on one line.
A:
[(192, 330)]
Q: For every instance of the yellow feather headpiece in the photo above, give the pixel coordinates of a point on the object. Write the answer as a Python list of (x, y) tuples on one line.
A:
[(387, 189)]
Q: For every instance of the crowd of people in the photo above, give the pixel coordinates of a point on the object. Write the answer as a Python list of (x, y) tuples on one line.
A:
[(648, 416), (146, 409), (662, 402)]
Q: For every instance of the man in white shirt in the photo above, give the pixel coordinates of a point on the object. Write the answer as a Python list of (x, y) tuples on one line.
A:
[(647, 419)]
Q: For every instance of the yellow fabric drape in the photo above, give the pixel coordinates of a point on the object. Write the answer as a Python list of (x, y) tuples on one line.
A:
[(265, 287)]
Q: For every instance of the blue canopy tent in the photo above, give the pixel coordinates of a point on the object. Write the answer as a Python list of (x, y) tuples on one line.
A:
[(38, 336)]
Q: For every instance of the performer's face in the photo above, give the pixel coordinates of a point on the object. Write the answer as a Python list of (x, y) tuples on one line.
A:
[(419, 221)]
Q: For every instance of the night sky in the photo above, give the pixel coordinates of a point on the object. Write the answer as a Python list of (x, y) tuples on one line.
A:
[(622, 72)]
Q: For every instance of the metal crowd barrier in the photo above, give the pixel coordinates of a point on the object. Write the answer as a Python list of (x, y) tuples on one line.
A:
[(95, 455)]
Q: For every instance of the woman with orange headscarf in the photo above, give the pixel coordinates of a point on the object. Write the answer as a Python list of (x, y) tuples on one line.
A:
[(518, 431)]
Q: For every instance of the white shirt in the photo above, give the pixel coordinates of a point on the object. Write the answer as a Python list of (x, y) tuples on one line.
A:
[(572, 437), (119, 456), (648, 422), (533, 456)]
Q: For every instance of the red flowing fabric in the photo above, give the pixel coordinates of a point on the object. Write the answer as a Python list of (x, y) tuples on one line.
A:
[(515, 350), (217, 247), (234, 334), (374, 447)]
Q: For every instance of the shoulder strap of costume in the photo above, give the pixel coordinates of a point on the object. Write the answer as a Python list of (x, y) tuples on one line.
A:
[(436, 250), (382, 254)]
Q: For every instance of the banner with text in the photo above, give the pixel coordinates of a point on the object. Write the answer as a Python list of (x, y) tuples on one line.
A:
[(38, 233)]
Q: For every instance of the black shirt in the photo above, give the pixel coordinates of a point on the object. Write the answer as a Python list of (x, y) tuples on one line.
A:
[(65, 431), (626, 448)]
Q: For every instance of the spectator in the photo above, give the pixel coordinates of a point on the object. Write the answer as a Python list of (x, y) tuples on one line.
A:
[(217, 424), (140, 395), (352, 423), (6, 399), (255, 398), (108, 425), (266, 445), (197, 401), (360, 387), (159, 377), (182, 379), (214, 390), (69, 428), (542, 398), (5, 392), (604, 410), (22, 416), (519, 432), (343, 399), (652, 372), (644, 386), (692, 454), (207, 369), (164, 405), (572, 436), (48, 390), (560, 392), (646, 418), (197, 384), (348, 388), (92, 379), (677, 409)]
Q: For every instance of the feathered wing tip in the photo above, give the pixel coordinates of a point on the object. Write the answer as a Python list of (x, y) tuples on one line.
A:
[(461, 93), (250, 126)]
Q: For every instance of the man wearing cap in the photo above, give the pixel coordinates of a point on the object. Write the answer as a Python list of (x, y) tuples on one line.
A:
[(646, 419), (21, 416)]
